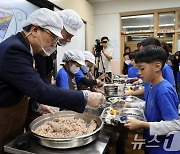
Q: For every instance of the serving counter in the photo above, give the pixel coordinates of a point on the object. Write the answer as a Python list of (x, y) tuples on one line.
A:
[(111, 138)]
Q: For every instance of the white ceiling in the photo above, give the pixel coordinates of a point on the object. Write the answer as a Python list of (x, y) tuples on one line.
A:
[(99, 1)]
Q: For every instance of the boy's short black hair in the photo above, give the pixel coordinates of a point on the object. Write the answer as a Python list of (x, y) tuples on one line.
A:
[(150, 54), (104, 38), (150, 41), (132, 55)]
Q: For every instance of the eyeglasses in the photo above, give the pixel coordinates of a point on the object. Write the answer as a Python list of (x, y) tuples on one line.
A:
[(104, 42), (54, 38)]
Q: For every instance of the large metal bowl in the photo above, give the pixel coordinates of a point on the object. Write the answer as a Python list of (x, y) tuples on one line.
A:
[(64, 143)]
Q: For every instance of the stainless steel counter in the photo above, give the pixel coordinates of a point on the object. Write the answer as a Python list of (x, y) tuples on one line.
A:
[(107, 136), (96, 147)]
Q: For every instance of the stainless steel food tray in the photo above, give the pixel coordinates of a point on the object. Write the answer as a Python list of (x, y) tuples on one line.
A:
[(121, 115), (131, 113), (108, 118), (132, 99), (61, 143)]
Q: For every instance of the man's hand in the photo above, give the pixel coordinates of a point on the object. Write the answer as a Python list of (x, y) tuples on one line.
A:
[(95, 99), (44, 109)]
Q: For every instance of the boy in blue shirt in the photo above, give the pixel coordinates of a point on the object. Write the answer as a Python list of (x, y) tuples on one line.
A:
[(73, 60), (167, 71), (161, 101), (133, 71)]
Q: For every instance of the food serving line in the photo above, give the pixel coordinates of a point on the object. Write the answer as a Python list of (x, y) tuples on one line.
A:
[(99, 141), (99, 146)]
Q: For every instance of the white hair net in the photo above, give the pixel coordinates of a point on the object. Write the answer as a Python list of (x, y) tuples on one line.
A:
[(74, 55), (46, 19), (71, 20), (89, 56)]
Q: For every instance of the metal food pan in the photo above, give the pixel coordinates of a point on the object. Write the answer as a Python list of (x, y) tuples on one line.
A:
[(110, 89), (132, 111), (130, 114), (64, 143), (132, 99)]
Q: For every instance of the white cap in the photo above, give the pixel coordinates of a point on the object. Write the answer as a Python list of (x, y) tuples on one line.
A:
[(89, 56), (71, 20), (74, 55), (46, 19)]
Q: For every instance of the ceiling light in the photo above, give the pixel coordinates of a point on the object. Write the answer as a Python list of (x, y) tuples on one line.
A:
[(138, 16)]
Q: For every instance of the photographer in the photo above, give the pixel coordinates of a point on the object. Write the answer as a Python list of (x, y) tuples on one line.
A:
[(105, 60)]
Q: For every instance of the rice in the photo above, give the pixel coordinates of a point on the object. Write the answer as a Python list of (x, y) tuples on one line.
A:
[(65, 127)]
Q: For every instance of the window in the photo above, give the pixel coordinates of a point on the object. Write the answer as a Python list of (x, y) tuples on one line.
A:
[(137, 24), (166, 22)]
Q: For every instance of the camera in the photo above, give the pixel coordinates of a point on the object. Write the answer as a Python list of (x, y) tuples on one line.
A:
[(98, 48)]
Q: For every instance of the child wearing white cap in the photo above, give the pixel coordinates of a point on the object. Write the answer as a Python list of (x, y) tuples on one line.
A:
[(73, 60), (84, 78)]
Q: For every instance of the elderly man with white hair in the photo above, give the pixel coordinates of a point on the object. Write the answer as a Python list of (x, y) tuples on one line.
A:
[(19, 80)]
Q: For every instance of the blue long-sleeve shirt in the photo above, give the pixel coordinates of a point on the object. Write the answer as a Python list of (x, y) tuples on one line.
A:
[(62, 79)]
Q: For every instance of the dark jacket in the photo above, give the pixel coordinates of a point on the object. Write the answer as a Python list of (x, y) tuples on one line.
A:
[(19, 78)]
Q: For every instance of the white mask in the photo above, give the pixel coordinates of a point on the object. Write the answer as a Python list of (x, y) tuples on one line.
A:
[(127, 62), (49, 51), (85, 69), (74, 69)]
